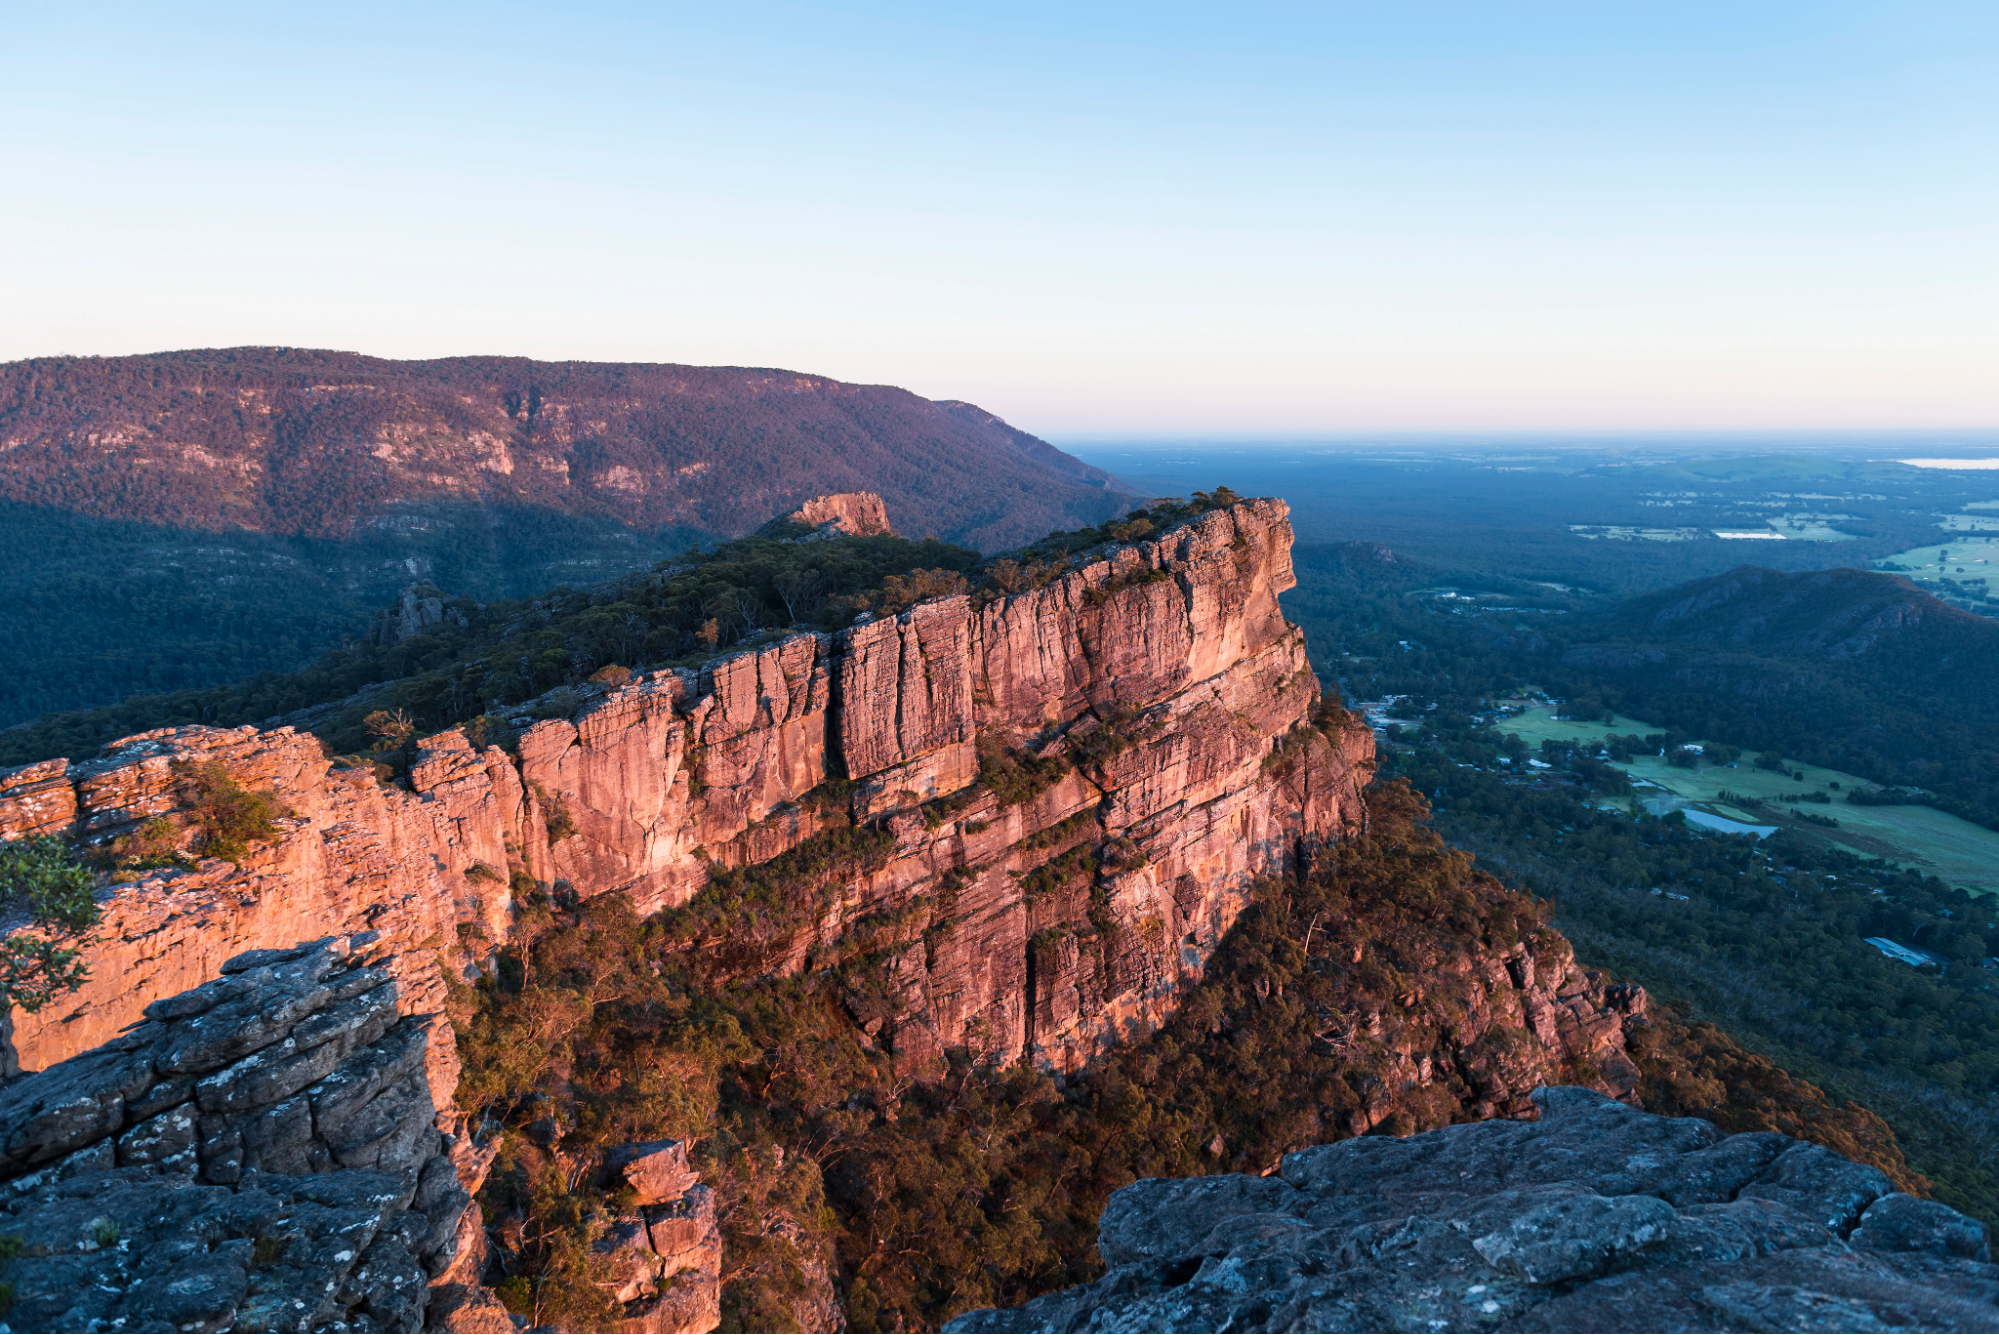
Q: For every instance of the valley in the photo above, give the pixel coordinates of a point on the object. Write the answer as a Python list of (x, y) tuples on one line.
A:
[(1920, 837), (930, 896)]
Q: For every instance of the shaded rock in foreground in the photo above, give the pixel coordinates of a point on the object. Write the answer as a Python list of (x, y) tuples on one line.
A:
[(1596, 1217), (259, 1153)]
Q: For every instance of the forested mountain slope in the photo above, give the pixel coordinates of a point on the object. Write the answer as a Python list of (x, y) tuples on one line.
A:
[(1851, 669), (289, 440), (175, 520)]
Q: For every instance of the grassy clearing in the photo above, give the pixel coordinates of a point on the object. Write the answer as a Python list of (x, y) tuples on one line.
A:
[(1942, 845), (1976, 554)]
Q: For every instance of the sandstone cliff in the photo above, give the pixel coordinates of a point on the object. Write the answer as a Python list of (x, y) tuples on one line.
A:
[(1158, 685), (1595, 1217)]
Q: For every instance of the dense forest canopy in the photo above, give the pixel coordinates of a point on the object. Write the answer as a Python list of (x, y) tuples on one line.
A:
[(482, 661)]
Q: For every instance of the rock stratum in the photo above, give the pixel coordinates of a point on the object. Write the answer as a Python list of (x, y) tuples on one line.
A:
[(1595, 1217), (1160, 692)]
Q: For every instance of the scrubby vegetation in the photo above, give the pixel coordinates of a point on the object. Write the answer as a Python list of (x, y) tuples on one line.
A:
[(228, 816), (486, 659), (1014, 774), (982, 1184)]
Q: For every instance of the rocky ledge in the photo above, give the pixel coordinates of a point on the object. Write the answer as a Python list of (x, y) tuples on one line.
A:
[(1595, 1217), (260, 1153)]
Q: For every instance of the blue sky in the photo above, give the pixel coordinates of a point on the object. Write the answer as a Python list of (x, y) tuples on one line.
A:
[(1090, 219)]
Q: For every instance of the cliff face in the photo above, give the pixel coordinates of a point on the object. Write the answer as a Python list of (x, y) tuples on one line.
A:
[(1595, 1217), (1033, 916)]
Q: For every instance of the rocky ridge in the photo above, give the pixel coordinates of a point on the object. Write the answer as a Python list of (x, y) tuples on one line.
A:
[(1594, 1217), (1161, 680)]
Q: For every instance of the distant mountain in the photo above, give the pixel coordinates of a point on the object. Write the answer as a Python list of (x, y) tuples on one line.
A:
[(300, 442), (1852, 669), (172, 521)]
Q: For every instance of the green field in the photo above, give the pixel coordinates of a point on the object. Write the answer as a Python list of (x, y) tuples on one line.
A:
[(1938, 844), (1973, 555)]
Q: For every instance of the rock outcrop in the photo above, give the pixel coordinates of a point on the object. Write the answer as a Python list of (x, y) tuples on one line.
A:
[(858, 514), (420, 607), (1595, 1217), (1157, 689), (260, 1153)]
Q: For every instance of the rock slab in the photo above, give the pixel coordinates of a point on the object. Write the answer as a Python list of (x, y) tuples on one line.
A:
[(1596, 1217), (258, 1153)]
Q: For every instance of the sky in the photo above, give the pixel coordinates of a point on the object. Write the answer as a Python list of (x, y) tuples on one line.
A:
[(1094, 220)]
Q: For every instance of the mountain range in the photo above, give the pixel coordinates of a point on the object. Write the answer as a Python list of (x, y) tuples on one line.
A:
[(301, 441)]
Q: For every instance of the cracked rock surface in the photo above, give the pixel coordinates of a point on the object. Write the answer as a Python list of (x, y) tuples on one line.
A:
[(258, 1154), (1595, 1217)]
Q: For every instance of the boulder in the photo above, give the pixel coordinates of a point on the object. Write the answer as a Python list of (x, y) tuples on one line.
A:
[(656, 1171), (260, 1153)]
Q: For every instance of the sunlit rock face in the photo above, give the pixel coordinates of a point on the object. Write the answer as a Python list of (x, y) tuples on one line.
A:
[(1595, 1217), (1050, 920), (859, 514)]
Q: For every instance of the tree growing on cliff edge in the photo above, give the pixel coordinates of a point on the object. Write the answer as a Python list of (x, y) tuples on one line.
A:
[(41, 883)]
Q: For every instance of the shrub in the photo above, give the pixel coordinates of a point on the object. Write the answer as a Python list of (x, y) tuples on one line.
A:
[(1104, 592), (228, 815), (1015, 776), (901, 592), (156, 843), (1116, 732)]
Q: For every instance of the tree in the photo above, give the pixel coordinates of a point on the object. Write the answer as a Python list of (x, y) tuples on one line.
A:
[(40, 880)]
